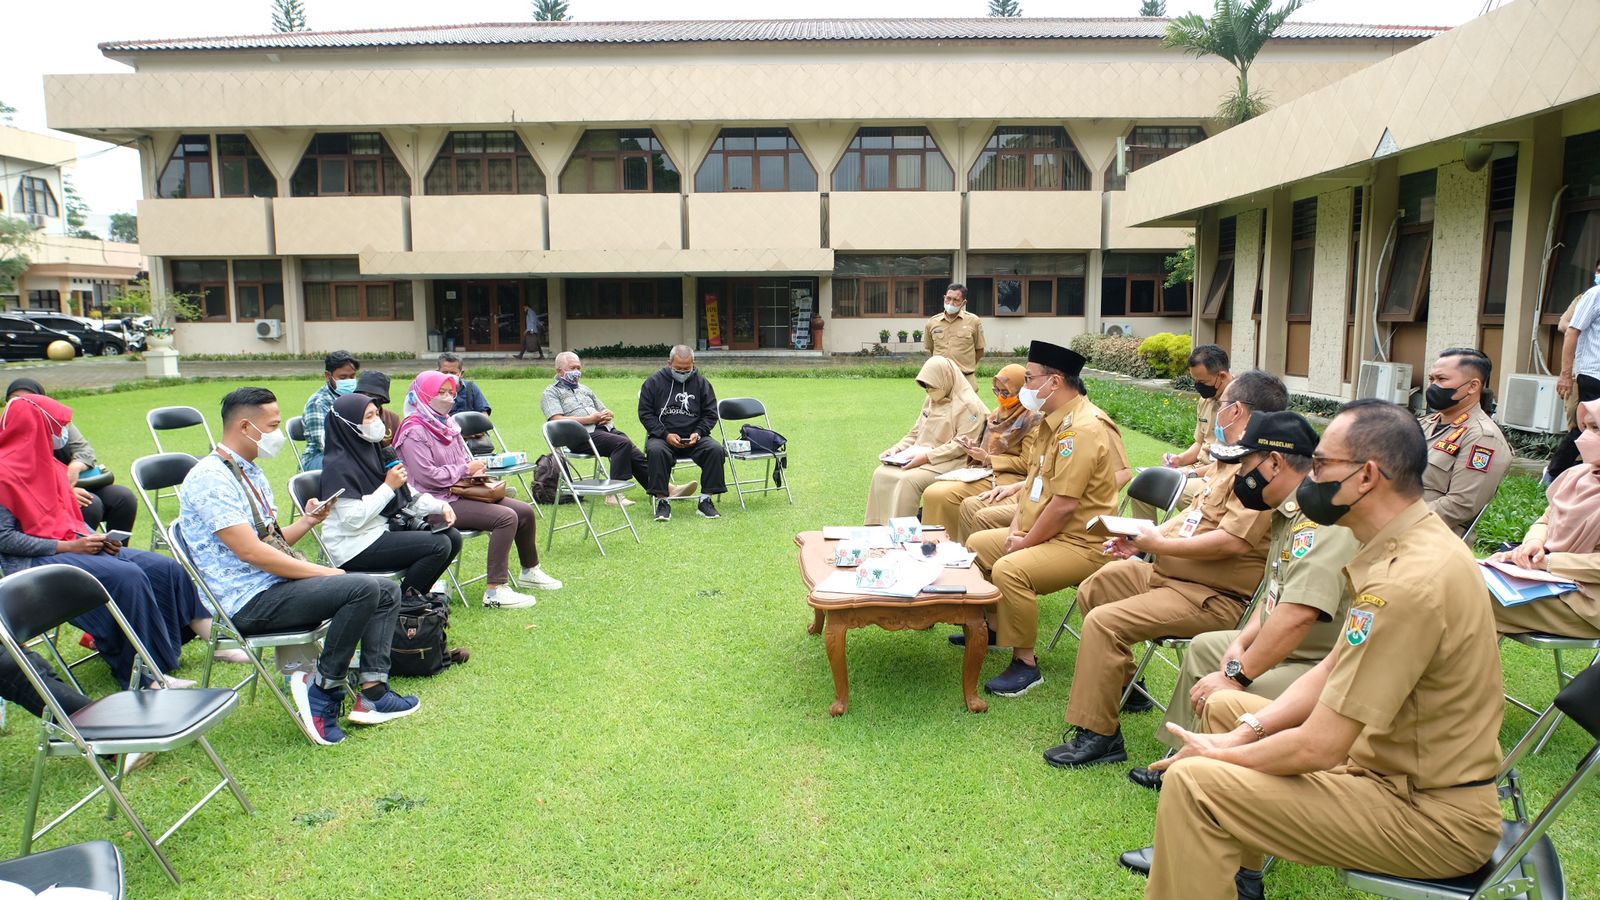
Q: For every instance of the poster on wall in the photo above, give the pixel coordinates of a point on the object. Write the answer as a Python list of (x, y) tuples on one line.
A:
[(801, 300), (713, 325)]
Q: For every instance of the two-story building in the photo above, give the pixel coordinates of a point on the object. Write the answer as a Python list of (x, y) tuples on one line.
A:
[(656, 182)]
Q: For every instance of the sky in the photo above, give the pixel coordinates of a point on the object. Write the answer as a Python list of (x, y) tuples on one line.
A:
[(44, 41)]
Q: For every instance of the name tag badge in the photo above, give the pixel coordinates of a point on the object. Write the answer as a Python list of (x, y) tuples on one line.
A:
[(1272, 596), (1190, 523), (1037, 493)]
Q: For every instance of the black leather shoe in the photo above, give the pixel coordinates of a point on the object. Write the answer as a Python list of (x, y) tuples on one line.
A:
[(1138, 701), (1145, 778), (1086, 748), (959, 639), (1138, 861), (1248, 883)]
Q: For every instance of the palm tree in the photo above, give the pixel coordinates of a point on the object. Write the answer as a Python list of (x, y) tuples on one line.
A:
[(1236, 32), (288, 15), (1008, 9), (1153, 8), (549, 10)]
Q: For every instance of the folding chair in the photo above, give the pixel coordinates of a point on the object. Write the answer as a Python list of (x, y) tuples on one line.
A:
[(1557, 644), (151, 476), (1179, 646), (295, 429), (478, 423), (92, 865), (560, 434), (177, 418), (132, 721), (227, 636), (740, 409), (1157, 486), (1525, 864)]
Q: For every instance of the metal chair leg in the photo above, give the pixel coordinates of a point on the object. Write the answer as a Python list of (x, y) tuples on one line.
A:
[(1065, 624)]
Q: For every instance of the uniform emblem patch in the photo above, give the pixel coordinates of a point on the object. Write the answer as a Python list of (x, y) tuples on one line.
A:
[(1301, 544), (1480, 459), (1065, 444), (1359, 626), (1370, 600)]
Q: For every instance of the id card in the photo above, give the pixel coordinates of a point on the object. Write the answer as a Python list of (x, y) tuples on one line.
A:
[(1190, 523), (1037, 493), (1272, 596)]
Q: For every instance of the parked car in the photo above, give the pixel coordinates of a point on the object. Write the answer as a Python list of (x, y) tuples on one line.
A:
[(96, 342), (23, 338), (132, 337)]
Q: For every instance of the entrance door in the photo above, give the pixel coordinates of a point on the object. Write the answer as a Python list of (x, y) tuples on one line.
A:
[(775, 313), (484, 315), (742, 331)]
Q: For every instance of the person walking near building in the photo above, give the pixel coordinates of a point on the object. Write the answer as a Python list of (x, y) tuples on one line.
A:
[(532, 332)]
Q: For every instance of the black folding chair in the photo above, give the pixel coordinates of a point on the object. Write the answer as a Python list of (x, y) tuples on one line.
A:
[(295, 429), (151, 476), (1557, 645), (742, 409), (479, 423), (92, 865), (132, 721), (177, 418), (560, 434)]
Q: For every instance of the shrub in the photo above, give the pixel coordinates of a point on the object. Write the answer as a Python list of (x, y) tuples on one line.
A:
[(620, 350), (1314, 406), (1023, 350), (1111, 353), (1531, 445), (1516, 505), (1167, 354), (1162, 415)]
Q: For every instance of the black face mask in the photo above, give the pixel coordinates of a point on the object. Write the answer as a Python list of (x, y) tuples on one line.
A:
[(1316, 500), (1441, 398), (1206, 391), (1251, 488)]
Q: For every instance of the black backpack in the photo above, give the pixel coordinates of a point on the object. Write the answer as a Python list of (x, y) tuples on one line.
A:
[(547, 479), (421, 646), (765, 440)]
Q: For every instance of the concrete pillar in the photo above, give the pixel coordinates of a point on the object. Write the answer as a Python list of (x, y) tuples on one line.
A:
[(1381, 205), (556, 322), (1538, 179), (689, 331), (294, 307), (1094, 267), (1273, 337), (1456, 274), (421, 306), (1205, 267), (1246, 272), (1329, 292)]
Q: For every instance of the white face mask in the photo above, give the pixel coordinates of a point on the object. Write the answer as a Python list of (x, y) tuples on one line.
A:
[(372, 431), (1030, 399), (270, 443), (950, 309)]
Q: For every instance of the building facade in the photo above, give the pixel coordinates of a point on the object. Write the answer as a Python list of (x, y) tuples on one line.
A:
[(644, 183)]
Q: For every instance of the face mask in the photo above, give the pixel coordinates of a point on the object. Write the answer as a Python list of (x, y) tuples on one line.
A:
[(1316, 500), (270, 443), (1597, 279), (344, 386), (1031, 401), (682, 377), (1441, 398), (1206, 391), (58, 441), (1221, 432), (950, 309), (372, 431), (442, 404), (1589, 447), (571, 377), (1251, 488), (1008, 402)]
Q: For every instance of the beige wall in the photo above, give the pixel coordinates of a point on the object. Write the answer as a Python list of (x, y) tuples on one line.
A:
[(225, 337), (1246, 258), (1329, 289), (1033, 220), (359, 337), (729, 221), (333, 226), (485, 222), (238, 226), (601, 332), (1456, 278), (1121, 235), (888, 220), (616, 222)]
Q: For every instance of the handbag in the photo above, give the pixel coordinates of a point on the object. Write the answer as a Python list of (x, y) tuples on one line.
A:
[(421, 645), (268, 531), (481, 488)]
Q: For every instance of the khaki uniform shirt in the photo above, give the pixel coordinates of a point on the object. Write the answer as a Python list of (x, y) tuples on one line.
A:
[(1205, 423), (1467, 459), (960, 341), (1419, 660), (1217, 508), (1305, 566), (1077, 452)]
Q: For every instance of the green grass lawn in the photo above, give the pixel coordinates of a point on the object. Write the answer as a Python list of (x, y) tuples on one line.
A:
[(660, 725)]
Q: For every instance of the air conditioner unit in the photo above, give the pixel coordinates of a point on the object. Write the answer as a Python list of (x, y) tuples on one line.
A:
[(269, 329), (1532, 404), (1384, 380), (37, 221)]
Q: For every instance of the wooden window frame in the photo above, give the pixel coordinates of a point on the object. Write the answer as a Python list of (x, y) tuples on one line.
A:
[(1057, 283), (619, 159), (1353, 277), (182, 157), (1589, 205), (384, 157), (720, 155), (1140, 155), (855, 154), (250, 188), (39, 296), (1298, 243), (199, 289), (1221, 289), (1411, 313), (449, 156), (1495, 218), (30, 189), (625, 285), (1158, 281), (361, 286), (1068, 160)]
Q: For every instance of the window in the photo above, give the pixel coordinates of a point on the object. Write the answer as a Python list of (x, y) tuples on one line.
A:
[(1573, 272), (188, 170), (1405, 295), (1029, 159), (1148, 143), (358, 163), (1497, 240), (1026, 284), (755, 159), (1134, 284), (615, 162), (1302, 258), (241, 171), (336, 291), (1219, 296), (35, 198), (50, 300), (205, 280), (618, 298), (258, 289), (900, 286), (893, 159), (484, 162)]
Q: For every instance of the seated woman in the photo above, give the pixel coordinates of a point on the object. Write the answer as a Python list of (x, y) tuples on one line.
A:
[(357, 532), (1565, 541), (102, 500), (41, 523), (1000, 450), (435, 457), (951, 412)]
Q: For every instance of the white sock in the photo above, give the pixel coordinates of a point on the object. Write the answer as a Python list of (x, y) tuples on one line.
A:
[(704, 497)]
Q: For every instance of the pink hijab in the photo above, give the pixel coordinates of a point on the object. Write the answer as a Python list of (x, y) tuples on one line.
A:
[(1573, 517), (418, 414)]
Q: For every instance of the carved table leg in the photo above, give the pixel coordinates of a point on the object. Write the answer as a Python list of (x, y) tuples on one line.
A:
[(977, 635), (833, 638), (816, 623)]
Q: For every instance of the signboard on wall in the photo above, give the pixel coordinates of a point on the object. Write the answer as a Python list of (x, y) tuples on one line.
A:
[(713, 326), (800, 300)]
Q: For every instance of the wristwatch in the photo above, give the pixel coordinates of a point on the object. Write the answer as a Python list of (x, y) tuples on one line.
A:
[(1235, 670), (1254, 723)]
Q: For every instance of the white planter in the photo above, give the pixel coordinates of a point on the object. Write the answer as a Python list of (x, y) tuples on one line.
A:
[(159, 341), (161, 362)]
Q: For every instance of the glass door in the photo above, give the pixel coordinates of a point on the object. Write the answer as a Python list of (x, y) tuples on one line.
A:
[(742, 328), (508, 315), (774, 313), (480, 316)]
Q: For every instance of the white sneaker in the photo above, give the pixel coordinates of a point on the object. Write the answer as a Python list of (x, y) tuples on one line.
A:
[(506, 598), (536, 577)]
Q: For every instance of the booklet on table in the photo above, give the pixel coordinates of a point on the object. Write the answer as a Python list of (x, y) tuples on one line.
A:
[(912, 576), (876, 536)]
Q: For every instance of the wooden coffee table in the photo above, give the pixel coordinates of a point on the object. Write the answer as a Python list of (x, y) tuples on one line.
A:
[(838, 613)]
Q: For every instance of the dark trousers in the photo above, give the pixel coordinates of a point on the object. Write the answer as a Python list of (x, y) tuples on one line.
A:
[(530, 341), (508, 522), (155, 596), (624, 460), (14, 685), (114, 505), (708, 454), (1566, 455), (364, 610), (423, 555)]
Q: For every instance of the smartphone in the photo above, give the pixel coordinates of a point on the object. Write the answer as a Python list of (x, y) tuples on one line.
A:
[(121, 537), (324, 504), (437, 524)]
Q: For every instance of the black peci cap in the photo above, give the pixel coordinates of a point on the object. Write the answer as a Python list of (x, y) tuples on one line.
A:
[(374, 384), (1056, 357), (1285, 432)]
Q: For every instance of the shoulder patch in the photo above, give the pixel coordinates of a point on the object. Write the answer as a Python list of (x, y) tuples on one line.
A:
[(1370, 600), (1301, 544), (1358, 627), (1067, 434), (1065, 446), (1480, 458)]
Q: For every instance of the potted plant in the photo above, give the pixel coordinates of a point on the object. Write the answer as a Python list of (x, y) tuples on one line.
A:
[(883, 336), (902, 335), (916, 336), (165, 311)]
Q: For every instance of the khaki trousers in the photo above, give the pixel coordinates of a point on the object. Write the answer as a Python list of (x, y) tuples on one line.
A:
[(1552, 616), (978, 516), (898, 492), (1216, 817), (1125, 603), (1204, 657), (1025, 575), (942, 502)]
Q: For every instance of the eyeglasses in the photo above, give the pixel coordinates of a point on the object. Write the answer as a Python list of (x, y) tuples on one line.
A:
[(1320, 463)]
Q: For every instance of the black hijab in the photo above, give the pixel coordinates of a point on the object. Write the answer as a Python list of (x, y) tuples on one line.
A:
[(350, 461)]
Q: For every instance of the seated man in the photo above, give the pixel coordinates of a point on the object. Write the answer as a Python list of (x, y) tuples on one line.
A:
[(1384, 756), (339, 373), (468, 399), (568, 398), (229, 520), (1072, 479), (1208, 562), (678, 409), (1302, 608), (1208, 366), (1468, 455)]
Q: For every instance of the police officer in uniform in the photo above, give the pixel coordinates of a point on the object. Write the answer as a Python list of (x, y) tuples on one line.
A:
[(1301, 606), (1072, 478), (1467, 453), (1384, 756), (1208, 366), (956, 334)]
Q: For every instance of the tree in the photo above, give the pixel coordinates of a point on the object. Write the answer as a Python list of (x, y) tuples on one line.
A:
[(1008, 9), (1180, 266), (549, 10), (125, 227), (289, 15), (16, 239), (1153, 8), (1236, 32), (77, 210)]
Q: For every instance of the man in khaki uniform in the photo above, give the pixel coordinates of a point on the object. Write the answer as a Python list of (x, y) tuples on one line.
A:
[(1301, 607), (956, 334), (1384, 756), (1073, 479), (1208, 561), (1208, 366), (1468, 455)]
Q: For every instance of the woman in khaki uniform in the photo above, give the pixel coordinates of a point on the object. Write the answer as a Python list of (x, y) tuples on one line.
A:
[(1001, 451), (951, 411)]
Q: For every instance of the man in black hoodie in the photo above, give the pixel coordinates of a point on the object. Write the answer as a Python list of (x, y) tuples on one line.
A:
[(678, 408)]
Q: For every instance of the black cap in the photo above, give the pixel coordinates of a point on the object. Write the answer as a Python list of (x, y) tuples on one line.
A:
[(374, 384), (1285, 432), (1056, 357)]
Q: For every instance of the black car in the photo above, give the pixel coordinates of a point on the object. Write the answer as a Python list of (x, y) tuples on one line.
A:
[(95, 342), (24, 338)]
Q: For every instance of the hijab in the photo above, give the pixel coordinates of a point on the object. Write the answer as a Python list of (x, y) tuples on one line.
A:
[(419, 415), (33, 483), (1009, 424), (1572, 519), (950, 398), (350, 461)]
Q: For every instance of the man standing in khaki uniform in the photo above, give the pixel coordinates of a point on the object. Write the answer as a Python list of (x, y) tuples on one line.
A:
[(1072, 479), (1208, 562), (1467, 453), (1301, 607), (1208, 366), (956, 334), (1384, 756)]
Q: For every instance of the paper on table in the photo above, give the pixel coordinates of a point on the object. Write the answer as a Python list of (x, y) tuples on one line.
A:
[(967, 475), (1511, 568), (1510, 590), (907, 455), (1117, 526), (951, 555), (876, 536), (915, 574)]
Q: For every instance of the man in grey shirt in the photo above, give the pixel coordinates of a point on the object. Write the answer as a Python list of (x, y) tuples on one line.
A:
[(568, 398)]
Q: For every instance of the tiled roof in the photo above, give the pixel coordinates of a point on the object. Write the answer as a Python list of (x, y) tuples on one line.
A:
[(737, 30)]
